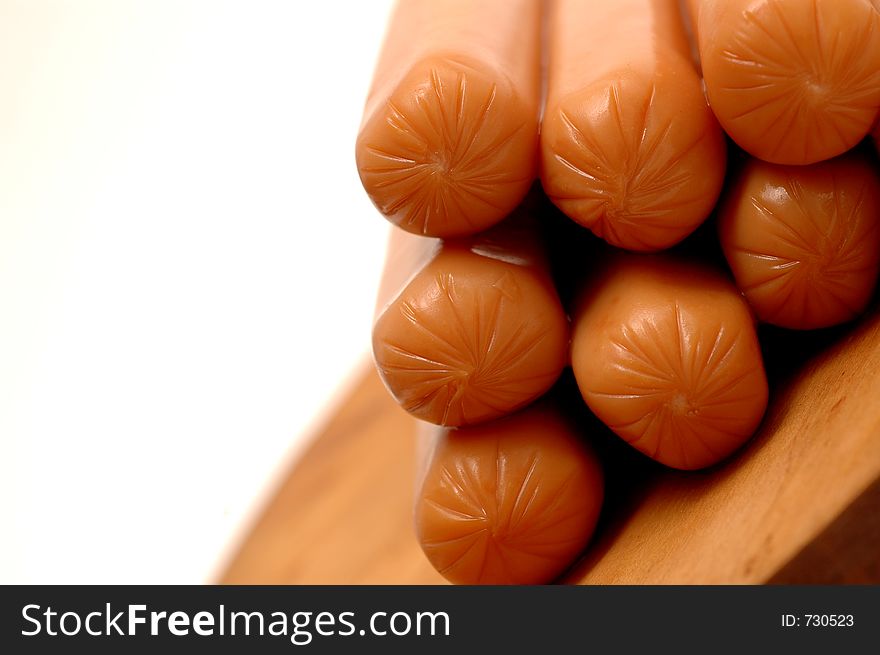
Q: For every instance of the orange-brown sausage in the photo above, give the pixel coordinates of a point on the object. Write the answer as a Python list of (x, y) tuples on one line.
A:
[(791, 81), (469, 330), (629, 147), (665, 353), (804, 241), (448, 144), (513, 501)]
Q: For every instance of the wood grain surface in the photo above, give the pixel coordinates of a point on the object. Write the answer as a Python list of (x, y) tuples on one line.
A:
[(344, 513), (800, 503)]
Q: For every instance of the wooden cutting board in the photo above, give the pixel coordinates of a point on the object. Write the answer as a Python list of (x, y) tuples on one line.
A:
[(800, 503)]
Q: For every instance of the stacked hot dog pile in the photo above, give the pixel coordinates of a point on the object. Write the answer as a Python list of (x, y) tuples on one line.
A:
[(471, 331)]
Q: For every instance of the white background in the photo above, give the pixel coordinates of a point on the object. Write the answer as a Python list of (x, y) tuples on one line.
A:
[(187, 270)]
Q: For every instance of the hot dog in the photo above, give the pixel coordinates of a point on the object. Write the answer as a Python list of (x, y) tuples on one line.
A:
[(469, 330), (629, 147), (448, 142), (791, 81), (513, 501), (665, 353), (804, 241)]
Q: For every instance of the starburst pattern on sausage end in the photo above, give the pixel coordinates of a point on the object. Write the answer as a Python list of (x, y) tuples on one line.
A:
[(511, 516), (682, 390), (619, 159), (450, 152), (807, 256), (470, 351), (798, 82)]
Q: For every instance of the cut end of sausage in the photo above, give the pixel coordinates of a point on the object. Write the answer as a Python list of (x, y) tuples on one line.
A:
[(511, 502), (804, 243), (470, 344), (451, 151), (797, 81), (639, 160)]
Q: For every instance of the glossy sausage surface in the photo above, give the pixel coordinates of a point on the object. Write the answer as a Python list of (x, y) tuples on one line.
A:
[(509, 502), (448, 143), (469, 330), (629, 147), (665, 353), (804, 241), (791, 81)]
